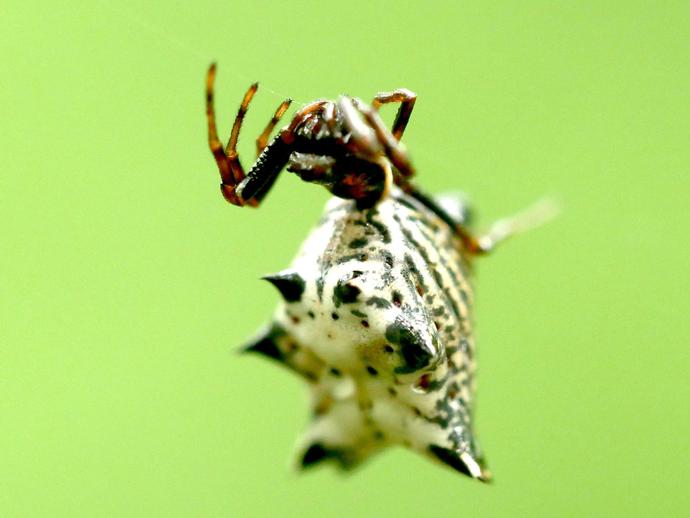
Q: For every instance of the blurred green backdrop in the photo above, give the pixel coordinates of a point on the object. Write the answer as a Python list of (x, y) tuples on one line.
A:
[(126, 281)]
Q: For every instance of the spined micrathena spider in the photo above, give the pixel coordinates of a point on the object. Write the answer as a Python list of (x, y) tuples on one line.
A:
[(377, 307)]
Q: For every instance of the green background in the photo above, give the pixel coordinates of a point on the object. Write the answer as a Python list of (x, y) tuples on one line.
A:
[(126, 281)]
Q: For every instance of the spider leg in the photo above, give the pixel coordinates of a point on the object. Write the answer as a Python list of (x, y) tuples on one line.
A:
[(262, 140), (231, 172), (274, 156), (231, 148), (533, 216), (214, 143), (363, 137), (393, 149), (406, 98)]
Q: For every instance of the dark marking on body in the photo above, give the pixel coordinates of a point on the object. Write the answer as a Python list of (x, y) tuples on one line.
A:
[(451, 410), (358, 243), (372, 371), (388, 259), (397, 298), (423, 382), (442, 421), (437, 277), (446, 245), (409, 262), (409, 203), (412, 347), (416, 245), (464, 297), (319, 288), (452, 303), (380, 227), (459, 439), (345, 293), (358, 313), (453, 390), (435, 385), (379, 302), (352, 257), (438, 311)]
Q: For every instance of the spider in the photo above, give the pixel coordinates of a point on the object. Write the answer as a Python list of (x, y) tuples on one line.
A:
[(376, 309)]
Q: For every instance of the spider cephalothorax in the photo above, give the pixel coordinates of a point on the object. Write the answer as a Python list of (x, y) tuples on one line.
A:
[(377, 306)]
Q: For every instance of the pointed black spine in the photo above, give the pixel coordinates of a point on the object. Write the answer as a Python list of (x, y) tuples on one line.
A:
[(318, 453), (289, 283), (267, 343), (315, 453), (460, 461)]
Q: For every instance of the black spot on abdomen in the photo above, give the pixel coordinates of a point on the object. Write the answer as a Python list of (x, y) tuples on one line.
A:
[(345, 293), (413, 350)]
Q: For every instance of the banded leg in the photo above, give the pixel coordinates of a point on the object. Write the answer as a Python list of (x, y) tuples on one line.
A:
[(406, 98), (231, 172), (262, 140)]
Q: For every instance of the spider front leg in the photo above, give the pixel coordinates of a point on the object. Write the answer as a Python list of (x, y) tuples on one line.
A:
[(262, 140), (233, 178), (406, 98), (231, 172), (274, 156)]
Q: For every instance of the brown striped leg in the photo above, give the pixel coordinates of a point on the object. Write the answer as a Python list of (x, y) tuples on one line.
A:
[(231, 172), (406, 98), (231, 148), (262, 140), (214, 143)]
